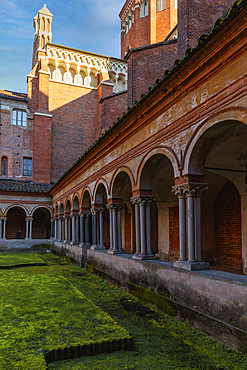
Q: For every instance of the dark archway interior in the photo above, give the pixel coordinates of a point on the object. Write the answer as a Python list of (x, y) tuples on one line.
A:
[(41, 224), (16, 222), (221, 156)]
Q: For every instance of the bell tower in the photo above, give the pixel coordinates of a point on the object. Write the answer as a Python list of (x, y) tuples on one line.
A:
[(42, 24)]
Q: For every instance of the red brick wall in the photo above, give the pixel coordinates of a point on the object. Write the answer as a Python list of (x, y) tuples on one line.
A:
[(146, 65), (196, 17), (112, 108), (15, 222), (173, 234), (228, 227), (74, 123), (41, 228), (15, 139), (42, 149)]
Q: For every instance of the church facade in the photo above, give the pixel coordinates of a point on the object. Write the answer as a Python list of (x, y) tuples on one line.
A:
[(156, 167)]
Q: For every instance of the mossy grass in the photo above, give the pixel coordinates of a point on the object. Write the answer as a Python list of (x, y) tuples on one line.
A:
[(11, 259), (160, 341), (43, 312)]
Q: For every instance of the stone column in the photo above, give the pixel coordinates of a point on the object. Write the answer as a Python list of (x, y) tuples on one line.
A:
[(52, 227), (55, 228), (119, 228), (150, 254), (137, 227), (143, 253), (4, 228), (190, 224), (192, 193), (110, 208), (77, 229), (30, 228), (101, 226), (60, 229), (73, 229), (1, 227), (94, 228), (26, 228), (87, 229), (182, 222), (65, 228), (82, 228)]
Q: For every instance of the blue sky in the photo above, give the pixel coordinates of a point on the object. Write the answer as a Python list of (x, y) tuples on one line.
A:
[(91, 25)]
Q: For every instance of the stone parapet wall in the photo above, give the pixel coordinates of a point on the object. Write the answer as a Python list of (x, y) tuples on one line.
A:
[(22, 243), (210, 301)]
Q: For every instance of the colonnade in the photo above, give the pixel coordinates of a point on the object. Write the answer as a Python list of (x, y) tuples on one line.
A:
[(29, 225), (190, 252), (76, 228)]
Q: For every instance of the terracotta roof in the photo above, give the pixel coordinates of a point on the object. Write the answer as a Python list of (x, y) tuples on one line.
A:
[(23, 186), (13, 95)]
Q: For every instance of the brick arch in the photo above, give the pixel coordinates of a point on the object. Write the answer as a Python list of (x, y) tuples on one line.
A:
[(237, 114), (106, 186), (16, 216), (162, 150), (86, 190), (19, 206), (75, 195), (35, 208), (125, 169)]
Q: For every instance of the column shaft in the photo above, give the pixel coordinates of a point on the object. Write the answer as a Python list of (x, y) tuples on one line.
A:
[(1, 228), (137, 224), (148, 229), (143, 229), (82, 229), (26, 228), (182, 228), (30, 228), (119, 229), (191, 227), (4, 228), (101, 242)]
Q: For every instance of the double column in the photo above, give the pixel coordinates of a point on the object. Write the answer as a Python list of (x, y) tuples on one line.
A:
[(115, 228), (190, 249), (29, 221), (97, 229), (143, 227), (84, 228), (74, 228)]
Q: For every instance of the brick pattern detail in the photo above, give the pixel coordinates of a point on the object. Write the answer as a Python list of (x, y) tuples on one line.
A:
[(173, 234), (146, 65), (74, 123), (111, 109), (228, 227), (15, 222), (195, 17)]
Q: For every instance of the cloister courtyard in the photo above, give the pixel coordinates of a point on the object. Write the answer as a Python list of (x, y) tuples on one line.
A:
[(55, 315)]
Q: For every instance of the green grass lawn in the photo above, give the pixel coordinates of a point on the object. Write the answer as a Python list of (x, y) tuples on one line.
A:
[(40, 312), (160, 342), (14, 259)]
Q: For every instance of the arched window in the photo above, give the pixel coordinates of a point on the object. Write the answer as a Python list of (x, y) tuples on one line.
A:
[(72, 74), (83, 75), (48, 29), (93, 80), (143, 8), (51, 69), (4, 166), (42, 24), (61, 74), (19, 117), (160, 5)]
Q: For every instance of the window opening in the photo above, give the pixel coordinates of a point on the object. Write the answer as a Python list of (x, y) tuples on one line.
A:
[(19, 117), (27, 166)]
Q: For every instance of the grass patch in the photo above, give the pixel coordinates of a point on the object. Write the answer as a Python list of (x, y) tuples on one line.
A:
[(161, 342), (40, 312), (11, 259)]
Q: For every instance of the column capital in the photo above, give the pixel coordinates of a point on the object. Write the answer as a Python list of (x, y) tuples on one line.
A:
[(189, 189), (112, 206), (94, 211), (141, 199)]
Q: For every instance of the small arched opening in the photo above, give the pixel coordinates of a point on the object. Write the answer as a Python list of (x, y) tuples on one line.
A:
[(16, 222), (41, 224)]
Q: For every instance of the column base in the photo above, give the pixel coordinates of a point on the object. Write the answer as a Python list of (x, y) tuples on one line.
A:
[(113, 251), (191, 266), (74, 243), (96, 247)]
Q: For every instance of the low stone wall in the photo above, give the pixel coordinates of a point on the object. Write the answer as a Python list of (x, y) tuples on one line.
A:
[(213, 302), (22, 243), (74, 253)]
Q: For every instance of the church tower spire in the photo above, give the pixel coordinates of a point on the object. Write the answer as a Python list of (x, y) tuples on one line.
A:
[(42, 24)]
